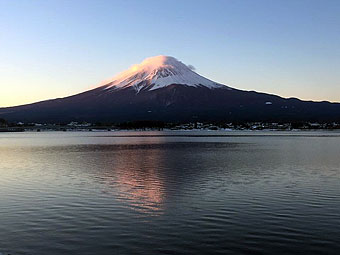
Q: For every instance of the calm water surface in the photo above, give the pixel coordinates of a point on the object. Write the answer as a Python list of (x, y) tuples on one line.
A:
[(170, 193)]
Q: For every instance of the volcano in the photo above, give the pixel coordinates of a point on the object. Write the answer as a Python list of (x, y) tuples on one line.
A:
[(164, 89)]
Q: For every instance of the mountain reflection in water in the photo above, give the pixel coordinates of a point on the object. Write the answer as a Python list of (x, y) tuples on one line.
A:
[(170, 193)]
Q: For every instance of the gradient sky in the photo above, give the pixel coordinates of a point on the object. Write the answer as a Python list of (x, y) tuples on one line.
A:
[(56, 48)]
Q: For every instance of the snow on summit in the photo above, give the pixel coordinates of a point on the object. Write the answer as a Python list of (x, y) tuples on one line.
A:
[(158, 72)]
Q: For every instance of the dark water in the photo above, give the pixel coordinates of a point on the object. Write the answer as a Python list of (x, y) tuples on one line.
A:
[(229, 193)]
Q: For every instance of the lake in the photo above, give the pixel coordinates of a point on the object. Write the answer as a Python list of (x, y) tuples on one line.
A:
[(174, 192)]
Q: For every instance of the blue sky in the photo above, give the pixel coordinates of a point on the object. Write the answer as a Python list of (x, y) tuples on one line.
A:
[(56, 48)]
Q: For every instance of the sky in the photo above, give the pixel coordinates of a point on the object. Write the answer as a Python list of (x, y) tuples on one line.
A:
[(56, 48)]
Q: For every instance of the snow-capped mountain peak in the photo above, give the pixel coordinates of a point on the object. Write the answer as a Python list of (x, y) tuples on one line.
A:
[(158, 72)]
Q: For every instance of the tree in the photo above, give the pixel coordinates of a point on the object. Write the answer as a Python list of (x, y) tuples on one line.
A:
[(3, 122)]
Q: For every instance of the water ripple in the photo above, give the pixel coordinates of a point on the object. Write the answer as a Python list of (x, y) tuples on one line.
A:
[(133, 193)]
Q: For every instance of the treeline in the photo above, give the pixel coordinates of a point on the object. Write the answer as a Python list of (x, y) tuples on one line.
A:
[(143, 124), (160, 125)]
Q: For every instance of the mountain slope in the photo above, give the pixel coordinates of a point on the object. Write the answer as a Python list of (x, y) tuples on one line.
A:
[(163, 88)]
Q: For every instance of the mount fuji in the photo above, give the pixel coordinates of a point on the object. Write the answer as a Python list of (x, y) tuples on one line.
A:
[(163, 88)]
